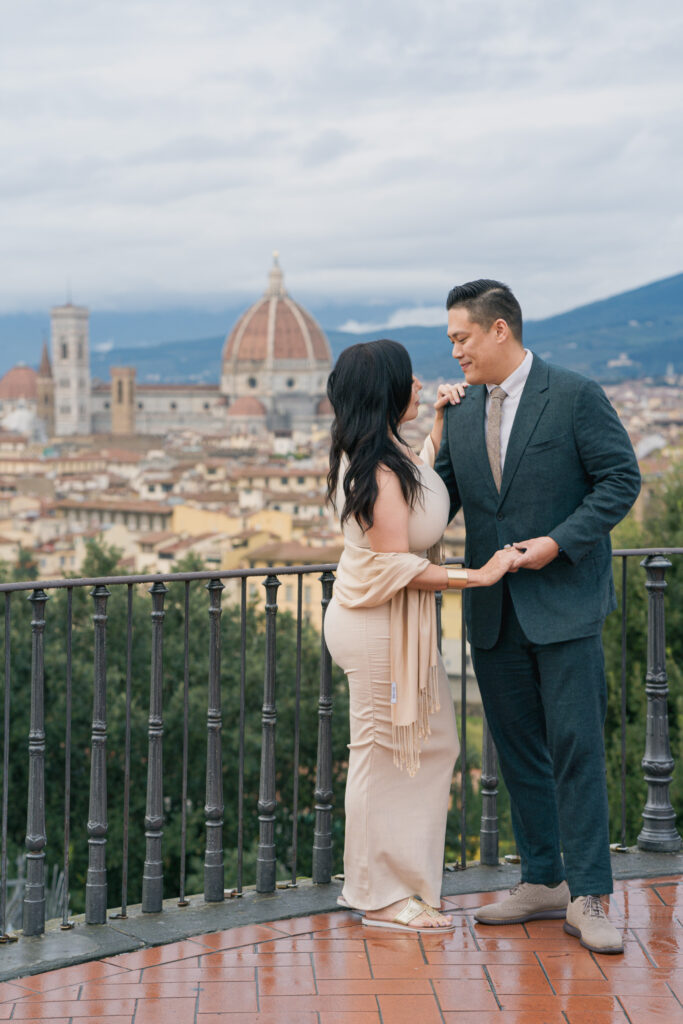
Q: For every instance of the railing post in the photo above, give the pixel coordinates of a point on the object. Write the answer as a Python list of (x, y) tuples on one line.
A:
[(4, 937), (152, 875), (438, 598), (463, 737), (488, 834), (659, 829), (265, 861), (96, 882), (322, 837), (214, 877), (36, 838)]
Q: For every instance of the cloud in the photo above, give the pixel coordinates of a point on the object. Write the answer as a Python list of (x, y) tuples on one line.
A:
[(412, 316), (164, 149)]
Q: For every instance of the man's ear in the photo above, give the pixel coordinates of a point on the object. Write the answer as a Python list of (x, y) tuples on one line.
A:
[(502, 330)]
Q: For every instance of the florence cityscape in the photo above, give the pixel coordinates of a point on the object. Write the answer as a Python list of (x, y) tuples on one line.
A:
[(203, 207)]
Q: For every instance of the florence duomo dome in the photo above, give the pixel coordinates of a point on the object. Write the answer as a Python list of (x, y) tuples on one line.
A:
[(276, 353)]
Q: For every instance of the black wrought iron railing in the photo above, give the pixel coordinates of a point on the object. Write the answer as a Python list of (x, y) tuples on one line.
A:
[(658, 832)]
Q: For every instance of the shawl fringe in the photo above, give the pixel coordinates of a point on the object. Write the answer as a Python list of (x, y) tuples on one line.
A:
[(406, 738)]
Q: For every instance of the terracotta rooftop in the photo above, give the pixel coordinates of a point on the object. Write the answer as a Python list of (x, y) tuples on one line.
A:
[(101, 504), (183, 543), (286, 470), (247, 405), (298, 497), (19, 382), (216, 496), (156, 537), (122, 455), (293, 552)]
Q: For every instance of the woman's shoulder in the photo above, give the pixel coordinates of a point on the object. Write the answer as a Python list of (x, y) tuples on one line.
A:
[(387, 478)]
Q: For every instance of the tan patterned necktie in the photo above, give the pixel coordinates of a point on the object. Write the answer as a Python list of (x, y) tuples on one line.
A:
[(497, 397)]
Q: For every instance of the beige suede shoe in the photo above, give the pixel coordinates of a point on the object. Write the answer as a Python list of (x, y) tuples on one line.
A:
[(526, 902), (586, 918)]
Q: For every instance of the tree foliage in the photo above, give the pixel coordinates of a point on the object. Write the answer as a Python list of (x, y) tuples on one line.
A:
[(662, 525), (102, 561)]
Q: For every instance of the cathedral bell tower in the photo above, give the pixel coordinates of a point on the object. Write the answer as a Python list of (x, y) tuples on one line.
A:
[(71, 369)]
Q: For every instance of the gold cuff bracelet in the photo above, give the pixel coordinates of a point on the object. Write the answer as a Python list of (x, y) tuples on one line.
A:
[(457, 574)]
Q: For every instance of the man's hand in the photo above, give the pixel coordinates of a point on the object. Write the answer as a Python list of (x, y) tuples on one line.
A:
[(539, 552)]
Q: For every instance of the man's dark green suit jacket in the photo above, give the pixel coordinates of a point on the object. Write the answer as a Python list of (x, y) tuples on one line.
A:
[(570, 473)]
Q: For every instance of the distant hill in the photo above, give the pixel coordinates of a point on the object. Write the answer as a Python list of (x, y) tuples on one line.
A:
[(646, 324), (22, 334), (639, 330), (196, 361)]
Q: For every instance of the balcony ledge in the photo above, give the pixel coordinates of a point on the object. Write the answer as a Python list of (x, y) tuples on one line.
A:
[(57, 948)]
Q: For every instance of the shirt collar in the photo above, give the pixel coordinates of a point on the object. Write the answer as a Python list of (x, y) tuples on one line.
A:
[(514, 384)]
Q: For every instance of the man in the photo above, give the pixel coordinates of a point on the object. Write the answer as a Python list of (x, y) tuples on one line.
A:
[(537, 458)]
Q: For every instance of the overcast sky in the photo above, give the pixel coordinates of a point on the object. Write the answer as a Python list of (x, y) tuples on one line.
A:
[(155, 152)]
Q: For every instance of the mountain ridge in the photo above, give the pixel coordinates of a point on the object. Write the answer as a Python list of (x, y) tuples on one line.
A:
[(634, 333)]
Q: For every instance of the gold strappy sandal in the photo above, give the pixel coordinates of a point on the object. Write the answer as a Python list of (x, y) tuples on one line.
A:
[(412, 910)]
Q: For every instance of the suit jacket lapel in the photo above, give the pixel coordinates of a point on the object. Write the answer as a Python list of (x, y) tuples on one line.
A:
[(532, 403)]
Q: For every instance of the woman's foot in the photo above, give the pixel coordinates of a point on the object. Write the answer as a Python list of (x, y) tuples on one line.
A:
[(430, 918), (443, 906)]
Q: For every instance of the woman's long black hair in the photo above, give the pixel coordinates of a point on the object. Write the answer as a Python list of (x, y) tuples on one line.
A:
[(370, 389)]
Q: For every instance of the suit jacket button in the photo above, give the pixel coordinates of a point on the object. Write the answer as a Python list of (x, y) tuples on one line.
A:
[(500, 515)]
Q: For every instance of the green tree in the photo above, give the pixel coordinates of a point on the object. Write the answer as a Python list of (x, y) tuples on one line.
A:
[(662, 525), (103, 561)]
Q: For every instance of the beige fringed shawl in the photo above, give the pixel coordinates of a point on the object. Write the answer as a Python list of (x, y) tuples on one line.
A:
[(367, 578)]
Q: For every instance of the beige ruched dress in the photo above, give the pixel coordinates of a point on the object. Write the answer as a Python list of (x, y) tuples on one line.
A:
[(395, 824)]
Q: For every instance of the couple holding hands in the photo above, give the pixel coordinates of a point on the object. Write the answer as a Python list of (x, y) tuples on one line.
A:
[(543, 469)]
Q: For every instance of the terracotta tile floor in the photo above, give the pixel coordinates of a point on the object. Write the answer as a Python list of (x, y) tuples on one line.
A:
[(328, 969)]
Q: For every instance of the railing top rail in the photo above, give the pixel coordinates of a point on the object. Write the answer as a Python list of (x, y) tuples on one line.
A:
[(647, 551), (169, 577), (238, 574)]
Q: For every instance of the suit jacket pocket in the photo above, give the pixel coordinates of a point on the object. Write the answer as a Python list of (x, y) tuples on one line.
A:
[(547, 442)]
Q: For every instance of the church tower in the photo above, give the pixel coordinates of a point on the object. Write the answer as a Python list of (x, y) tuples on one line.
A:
[(122, 399), (71, 369), (45, 394)]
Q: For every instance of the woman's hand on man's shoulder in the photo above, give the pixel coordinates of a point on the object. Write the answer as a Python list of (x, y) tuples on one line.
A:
[(449, 394)]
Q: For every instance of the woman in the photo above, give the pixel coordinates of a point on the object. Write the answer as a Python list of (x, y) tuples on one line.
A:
[(380, 627)]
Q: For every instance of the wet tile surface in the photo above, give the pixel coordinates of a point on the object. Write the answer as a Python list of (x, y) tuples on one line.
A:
[(329, 969)]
